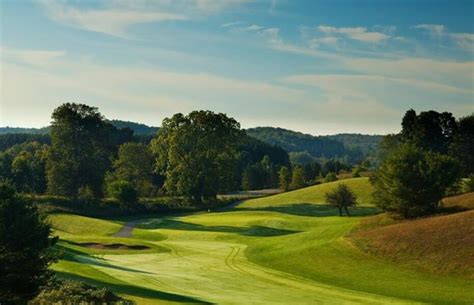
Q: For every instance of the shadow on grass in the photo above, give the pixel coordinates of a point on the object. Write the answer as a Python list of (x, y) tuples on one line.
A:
[(174, 224), (92, 259), (133, 290), (317, 210)]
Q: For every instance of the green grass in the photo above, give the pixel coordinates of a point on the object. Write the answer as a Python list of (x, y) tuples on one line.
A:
[(315, 194), (284, 249)]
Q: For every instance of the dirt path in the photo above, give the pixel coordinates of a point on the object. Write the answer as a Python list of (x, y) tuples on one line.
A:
[(126, 230)]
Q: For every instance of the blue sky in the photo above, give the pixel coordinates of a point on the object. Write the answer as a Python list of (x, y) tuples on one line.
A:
[(320, 67)]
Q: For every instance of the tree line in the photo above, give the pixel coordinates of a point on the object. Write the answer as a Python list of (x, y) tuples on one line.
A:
[(195, 156)]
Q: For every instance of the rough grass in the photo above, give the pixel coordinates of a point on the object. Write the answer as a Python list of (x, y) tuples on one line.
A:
[(269, 251), (461, 201), (441, 244)]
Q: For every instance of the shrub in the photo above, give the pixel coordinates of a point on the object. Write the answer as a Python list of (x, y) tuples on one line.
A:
[(469, 184), (411, 182), (85, 196), (123, 191), (330, 177), (74, 292)]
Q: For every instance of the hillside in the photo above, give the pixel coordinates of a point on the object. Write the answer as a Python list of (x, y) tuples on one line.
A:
[(314, 195), (351, 146), (138, 128), (439, 244), (367, 144), (262, 252)]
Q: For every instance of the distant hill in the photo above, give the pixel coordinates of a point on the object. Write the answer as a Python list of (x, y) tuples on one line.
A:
[(138, 128), (350, 146), (12, 130), (367, 144)]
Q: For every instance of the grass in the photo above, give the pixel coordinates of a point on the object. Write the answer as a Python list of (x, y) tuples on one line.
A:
[(315, 194), (460, 201), (441, 244), (284, 249)]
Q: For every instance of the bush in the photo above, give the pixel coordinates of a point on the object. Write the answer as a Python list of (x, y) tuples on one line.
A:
[(411, 182), (86, 197), (469, 184), (73, 292), (330, 177), (123, 191)]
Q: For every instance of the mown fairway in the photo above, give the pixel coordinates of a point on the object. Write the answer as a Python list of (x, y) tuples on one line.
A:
[(283, 249)]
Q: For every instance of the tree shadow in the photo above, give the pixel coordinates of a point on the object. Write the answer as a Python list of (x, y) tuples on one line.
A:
[(174, 224), (133, 290), (69, 254), (316, 210)]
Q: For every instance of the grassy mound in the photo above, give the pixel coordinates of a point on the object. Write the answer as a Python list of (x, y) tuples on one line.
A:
[(315, 194), (461, 201), (440, 244)]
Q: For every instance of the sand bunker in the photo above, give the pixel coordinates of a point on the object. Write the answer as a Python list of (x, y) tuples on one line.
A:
[(112, 246)]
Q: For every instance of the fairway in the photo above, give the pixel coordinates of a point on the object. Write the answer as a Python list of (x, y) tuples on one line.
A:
[(275, 250)]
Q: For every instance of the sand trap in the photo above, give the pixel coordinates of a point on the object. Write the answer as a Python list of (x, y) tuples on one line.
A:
[(112, 246)]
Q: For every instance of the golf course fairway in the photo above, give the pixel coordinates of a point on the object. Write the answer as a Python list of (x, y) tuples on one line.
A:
[(283, 249)]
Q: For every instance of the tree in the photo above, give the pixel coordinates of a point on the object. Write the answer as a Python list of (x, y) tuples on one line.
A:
[(28, 170), (430, 130), (82, 146), (297, 179), (25, 248), (195, 152), (134, 164), (462, 147), (330, 177), (411, 181), (284, 182), (341, 197), (123, 191), (74, 292)]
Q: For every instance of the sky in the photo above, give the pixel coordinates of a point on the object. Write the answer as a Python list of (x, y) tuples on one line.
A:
[(319, 67)]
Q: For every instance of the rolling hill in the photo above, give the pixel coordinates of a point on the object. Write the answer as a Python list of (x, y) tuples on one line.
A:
[(289, 248), (350, 146)]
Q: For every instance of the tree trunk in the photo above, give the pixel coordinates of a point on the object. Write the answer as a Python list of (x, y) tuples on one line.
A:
[(347, 211), (340, 211)]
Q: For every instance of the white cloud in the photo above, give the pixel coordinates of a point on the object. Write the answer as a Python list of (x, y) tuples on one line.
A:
[(31, 57), (253, 27), (355, 33), (231, 24), (112, 21), (464, 41), (121, 90), (434, 29), (115, 17)]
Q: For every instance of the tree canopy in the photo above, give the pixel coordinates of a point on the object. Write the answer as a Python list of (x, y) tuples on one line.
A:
[(412, 181), (197, 154), (341, 197), (25, 248)]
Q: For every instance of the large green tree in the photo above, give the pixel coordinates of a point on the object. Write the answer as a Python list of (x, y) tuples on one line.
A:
[(429, 130), (28, 170), (297, 178), (197, 154), (82, 145), (25, 248), (134, 164), (412, 181)]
